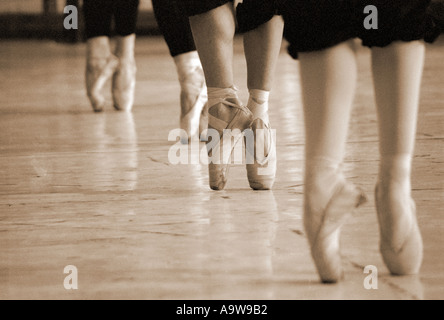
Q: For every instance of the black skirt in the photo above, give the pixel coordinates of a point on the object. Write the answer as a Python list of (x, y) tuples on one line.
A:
[(249, 14), (312, 25)]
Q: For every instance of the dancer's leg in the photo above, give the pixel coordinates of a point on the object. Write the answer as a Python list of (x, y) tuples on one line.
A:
[(397, 71), (262, 46), (124, 81), (100, 63), (328, 80), (175, 27), (98, 15), (213, 34)]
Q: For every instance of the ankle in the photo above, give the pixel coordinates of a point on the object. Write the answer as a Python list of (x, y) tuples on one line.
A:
[(98, 47), (395, 170), (186, 64), (125, 47), (258, 97), (321, 177)]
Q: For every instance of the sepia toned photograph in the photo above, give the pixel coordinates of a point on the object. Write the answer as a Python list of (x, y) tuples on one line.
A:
[(221, 155)]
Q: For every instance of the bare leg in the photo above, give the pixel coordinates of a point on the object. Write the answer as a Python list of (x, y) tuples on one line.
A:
[(328, 80), (100, 66), (262, 47), (124, 80), (213, 33), (397, 72)]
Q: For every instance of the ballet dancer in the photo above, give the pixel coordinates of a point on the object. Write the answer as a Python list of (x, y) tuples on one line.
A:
[(102, 64), (175, 27), (328, 78), (213, 23)]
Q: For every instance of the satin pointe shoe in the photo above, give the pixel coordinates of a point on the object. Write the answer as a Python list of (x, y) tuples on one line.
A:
[(193, 100), (262, 172), (323, 226), (401, 243), (220, 151), (98, 72), (124, 84)]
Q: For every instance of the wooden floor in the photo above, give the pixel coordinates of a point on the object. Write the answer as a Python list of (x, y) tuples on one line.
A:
[(97, 191)]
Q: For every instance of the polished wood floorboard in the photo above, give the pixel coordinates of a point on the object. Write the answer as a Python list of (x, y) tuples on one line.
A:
[(97, 190)]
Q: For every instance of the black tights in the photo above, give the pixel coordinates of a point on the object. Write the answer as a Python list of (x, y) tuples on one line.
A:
[(99, 15), (170, 16), (174, 24)]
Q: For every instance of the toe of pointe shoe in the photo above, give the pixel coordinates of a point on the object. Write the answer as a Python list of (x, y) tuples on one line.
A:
[(261, 174), (125, 107), (263, 184), (218, 176), (262, 177), (97, 102), (98, 109)]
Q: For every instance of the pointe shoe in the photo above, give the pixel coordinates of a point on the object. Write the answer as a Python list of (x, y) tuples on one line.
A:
[(124, 84), (193, 100), (402, 251), (124, 79), (262, 172), (241, 119), (100, 67), (323, 227)]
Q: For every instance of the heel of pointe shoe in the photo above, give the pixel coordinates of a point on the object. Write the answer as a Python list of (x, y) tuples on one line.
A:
[(325, 244), (407, 258), (219, 160), (190, 121)]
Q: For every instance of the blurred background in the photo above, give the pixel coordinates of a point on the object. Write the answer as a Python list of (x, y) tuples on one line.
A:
[(43, 19)]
